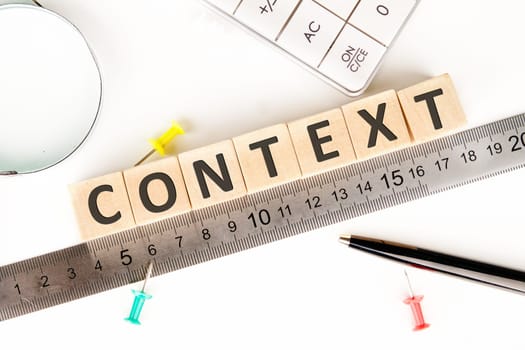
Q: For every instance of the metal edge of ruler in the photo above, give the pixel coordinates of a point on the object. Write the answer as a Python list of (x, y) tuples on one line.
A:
[(263, 217)]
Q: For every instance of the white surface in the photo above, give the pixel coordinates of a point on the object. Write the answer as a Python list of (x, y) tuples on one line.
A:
[(226, 5), (179, 60), (50, 88)]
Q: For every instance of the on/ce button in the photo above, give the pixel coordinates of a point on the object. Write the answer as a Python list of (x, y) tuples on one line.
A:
[(352, 59)]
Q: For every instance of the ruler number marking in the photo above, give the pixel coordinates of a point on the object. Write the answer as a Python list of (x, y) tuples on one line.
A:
[(417, 172), (72, 273), (206, 234), (263, 217), (442, 164), (340, 194), (126, 259), (45, 281), (366, 188), (314, 202), (518, 142), (397, 179), (152, 250), (285, 211), (469, 156), (232, 226), (495, 148)]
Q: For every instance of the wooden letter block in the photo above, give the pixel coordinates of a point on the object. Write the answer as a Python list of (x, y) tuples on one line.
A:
[(157, 190), (267, 157), (102, 206), (212, 174), (376, 124), (432, 108), (322, 142)]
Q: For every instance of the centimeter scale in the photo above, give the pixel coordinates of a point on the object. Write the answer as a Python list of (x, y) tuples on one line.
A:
[(262, 217)]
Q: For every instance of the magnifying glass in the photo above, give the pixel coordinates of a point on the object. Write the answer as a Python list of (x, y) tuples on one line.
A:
[(50, 88)]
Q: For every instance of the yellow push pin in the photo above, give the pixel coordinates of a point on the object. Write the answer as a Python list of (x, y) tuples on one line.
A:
[(159, 144)]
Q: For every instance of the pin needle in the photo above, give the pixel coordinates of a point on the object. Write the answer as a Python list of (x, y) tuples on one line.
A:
[(415, 306), (140, 299)]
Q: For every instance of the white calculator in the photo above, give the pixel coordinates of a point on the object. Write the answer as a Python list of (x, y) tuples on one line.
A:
[(343, 41)]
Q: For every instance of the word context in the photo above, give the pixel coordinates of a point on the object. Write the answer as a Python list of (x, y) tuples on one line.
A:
[(266, 158)]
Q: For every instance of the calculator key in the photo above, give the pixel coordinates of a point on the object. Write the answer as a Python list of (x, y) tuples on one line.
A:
[(225, 5), (342, 8), (343, 41), (382, 19), (265, 16), (353, 59), (310, 32)]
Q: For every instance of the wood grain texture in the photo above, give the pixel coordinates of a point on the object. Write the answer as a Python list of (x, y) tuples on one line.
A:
[(101, 206), (376, 124), (322, 142), (212, 174), (432, 108), (267, 157), (157, 190)]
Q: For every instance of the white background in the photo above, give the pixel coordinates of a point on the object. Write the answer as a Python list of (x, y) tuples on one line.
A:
[(168, 59)]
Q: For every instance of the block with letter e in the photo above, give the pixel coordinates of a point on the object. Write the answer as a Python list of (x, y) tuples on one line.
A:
[(322, 142)]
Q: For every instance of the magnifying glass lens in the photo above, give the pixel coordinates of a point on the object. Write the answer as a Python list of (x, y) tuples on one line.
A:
[(50, 88)]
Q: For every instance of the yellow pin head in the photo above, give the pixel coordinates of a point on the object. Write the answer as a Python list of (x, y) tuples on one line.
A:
[(160, 143)]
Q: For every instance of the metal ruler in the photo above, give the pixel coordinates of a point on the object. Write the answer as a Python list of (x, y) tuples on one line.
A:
[(262, 217)]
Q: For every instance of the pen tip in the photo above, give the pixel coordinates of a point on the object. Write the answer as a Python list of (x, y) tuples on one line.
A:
[(345, 239)]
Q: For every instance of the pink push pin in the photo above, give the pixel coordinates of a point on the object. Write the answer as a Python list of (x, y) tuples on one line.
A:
[(415, 306)]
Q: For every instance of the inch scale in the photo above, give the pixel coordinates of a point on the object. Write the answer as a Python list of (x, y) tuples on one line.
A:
[(262, 217)]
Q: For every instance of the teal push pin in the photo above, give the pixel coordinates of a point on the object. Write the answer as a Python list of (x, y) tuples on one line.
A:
[(140, 299)]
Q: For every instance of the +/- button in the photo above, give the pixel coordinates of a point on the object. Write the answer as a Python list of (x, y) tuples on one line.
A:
[(266, 16)]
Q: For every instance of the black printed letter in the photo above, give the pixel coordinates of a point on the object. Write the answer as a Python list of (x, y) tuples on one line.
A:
[(170, 188), (318, 141), (224, 182), (264, 145), (428, 97), (95, 211), (377, 125)]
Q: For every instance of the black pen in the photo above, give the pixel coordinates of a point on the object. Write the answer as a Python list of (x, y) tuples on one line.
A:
[(497, 276)]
